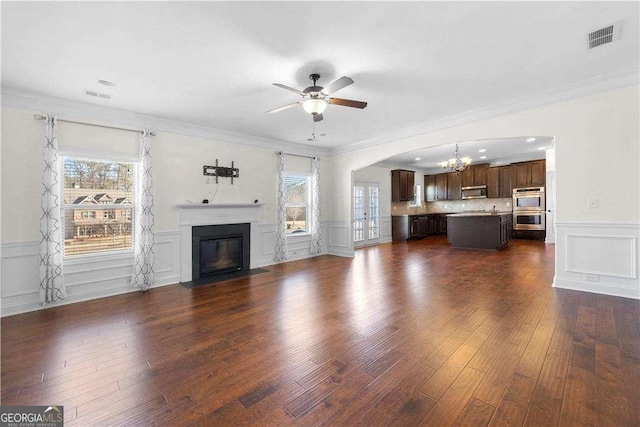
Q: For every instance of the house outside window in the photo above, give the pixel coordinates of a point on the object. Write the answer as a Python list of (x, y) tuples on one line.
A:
[(97, 205), (298, 210)]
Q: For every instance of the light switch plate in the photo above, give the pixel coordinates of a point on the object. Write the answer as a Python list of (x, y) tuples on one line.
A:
[(592, 203)]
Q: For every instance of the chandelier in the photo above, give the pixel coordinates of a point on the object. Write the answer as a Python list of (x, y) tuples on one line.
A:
[(457, 163)]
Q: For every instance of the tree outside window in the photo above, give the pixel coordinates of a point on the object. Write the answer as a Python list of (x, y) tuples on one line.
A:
[(297, 205)]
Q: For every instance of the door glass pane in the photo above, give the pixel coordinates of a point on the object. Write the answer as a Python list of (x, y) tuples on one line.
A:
[(358, 213), (374, 214)]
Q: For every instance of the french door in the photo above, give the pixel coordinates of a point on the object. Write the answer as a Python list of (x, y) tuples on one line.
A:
[(366, 214)]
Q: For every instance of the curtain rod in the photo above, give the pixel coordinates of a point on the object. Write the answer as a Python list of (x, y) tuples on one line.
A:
[(41, 117), (297, 155)]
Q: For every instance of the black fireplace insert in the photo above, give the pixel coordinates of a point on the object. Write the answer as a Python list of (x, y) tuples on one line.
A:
[(219, 249)]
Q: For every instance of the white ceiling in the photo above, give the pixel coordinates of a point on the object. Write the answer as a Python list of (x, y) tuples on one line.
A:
[(213, 63)]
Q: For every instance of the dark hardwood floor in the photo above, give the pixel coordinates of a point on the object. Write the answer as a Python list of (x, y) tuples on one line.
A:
[(403, 334)]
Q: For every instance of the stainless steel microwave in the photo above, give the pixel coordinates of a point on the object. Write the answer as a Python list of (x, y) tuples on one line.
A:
[(476, 192)]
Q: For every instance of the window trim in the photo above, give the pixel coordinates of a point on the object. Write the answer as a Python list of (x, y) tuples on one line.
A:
[(91, 155), (417, 196), (308, 204)]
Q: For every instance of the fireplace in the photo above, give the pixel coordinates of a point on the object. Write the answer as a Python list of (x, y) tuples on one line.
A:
[(219, 249)]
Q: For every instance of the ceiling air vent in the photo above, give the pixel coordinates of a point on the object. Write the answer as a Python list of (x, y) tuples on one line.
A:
[(96, 94), (604, 35)]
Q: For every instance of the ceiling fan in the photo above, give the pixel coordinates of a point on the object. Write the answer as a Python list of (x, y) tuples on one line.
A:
[(315, 98)]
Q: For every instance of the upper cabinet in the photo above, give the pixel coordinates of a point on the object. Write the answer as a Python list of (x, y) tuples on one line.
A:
[(474, 175), (528, 174), (499, 182), (435, 187), (454, 186), (506, 181), (493, 182), (402, 182)]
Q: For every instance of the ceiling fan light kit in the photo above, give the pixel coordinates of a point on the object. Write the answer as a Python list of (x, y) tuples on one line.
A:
[(315, 98), (314, 106)]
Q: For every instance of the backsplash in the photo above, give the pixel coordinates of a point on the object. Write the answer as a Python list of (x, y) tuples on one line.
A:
[(502, 205), (450, 206)]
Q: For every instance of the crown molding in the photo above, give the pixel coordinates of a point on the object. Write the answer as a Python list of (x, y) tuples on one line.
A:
[(80, 110), (65, 108), (605, 82)]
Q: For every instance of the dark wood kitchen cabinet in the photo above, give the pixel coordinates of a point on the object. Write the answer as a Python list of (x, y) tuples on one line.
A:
[(441, 186), (528, 174), (474, 175), (406, 227), (453, 185), (441, 224), (499, 182), (435, 187), (402, 182), (493, 182), (506, 182)]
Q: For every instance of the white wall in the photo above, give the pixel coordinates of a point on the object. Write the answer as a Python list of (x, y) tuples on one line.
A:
[(597, 155), (177, 162)]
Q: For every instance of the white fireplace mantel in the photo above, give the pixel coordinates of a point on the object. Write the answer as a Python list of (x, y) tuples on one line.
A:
[(196, 214)]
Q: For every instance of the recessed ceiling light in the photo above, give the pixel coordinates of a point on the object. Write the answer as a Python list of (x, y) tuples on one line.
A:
[(542, 148), (418, 158), (530, 139), (482, 150), (105, 82), (483, 157)]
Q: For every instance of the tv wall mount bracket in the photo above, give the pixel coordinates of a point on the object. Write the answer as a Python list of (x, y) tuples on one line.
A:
[(221, 171)]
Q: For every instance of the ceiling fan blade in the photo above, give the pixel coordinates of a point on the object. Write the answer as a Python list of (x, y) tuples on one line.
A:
[(317, 117), (347, 102), (335, 86), (275, 110), (289, 88)]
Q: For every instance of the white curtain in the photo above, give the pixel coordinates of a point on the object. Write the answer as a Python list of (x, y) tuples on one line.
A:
[(143, 275), (315, 212), (281, 236), (52, 287)]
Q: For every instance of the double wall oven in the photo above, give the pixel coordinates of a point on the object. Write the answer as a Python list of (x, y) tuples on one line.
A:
[(529, 208)]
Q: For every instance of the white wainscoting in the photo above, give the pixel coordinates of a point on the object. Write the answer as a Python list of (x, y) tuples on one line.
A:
[(599, 258), (298, 246), (385, 235), (86, 278), (107, 275), (339, 240)]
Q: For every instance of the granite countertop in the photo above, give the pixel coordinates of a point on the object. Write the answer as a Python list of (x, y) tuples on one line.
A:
[(465, 214)]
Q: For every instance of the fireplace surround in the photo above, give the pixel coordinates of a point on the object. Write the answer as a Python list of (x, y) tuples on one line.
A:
[(199, 214)]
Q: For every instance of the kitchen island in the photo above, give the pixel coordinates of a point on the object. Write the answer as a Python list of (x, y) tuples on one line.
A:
[(480, 230)]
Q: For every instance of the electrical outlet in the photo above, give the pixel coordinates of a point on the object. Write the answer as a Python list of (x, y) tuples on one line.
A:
[(591, 278), (592, 202)]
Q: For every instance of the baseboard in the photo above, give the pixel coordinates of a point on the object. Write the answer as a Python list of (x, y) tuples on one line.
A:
[(611, 289), (343, 252)]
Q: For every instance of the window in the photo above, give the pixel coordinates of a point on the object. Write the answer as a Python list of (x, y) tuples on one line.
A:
[(417, 196), (297, 205), (97, 205)]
